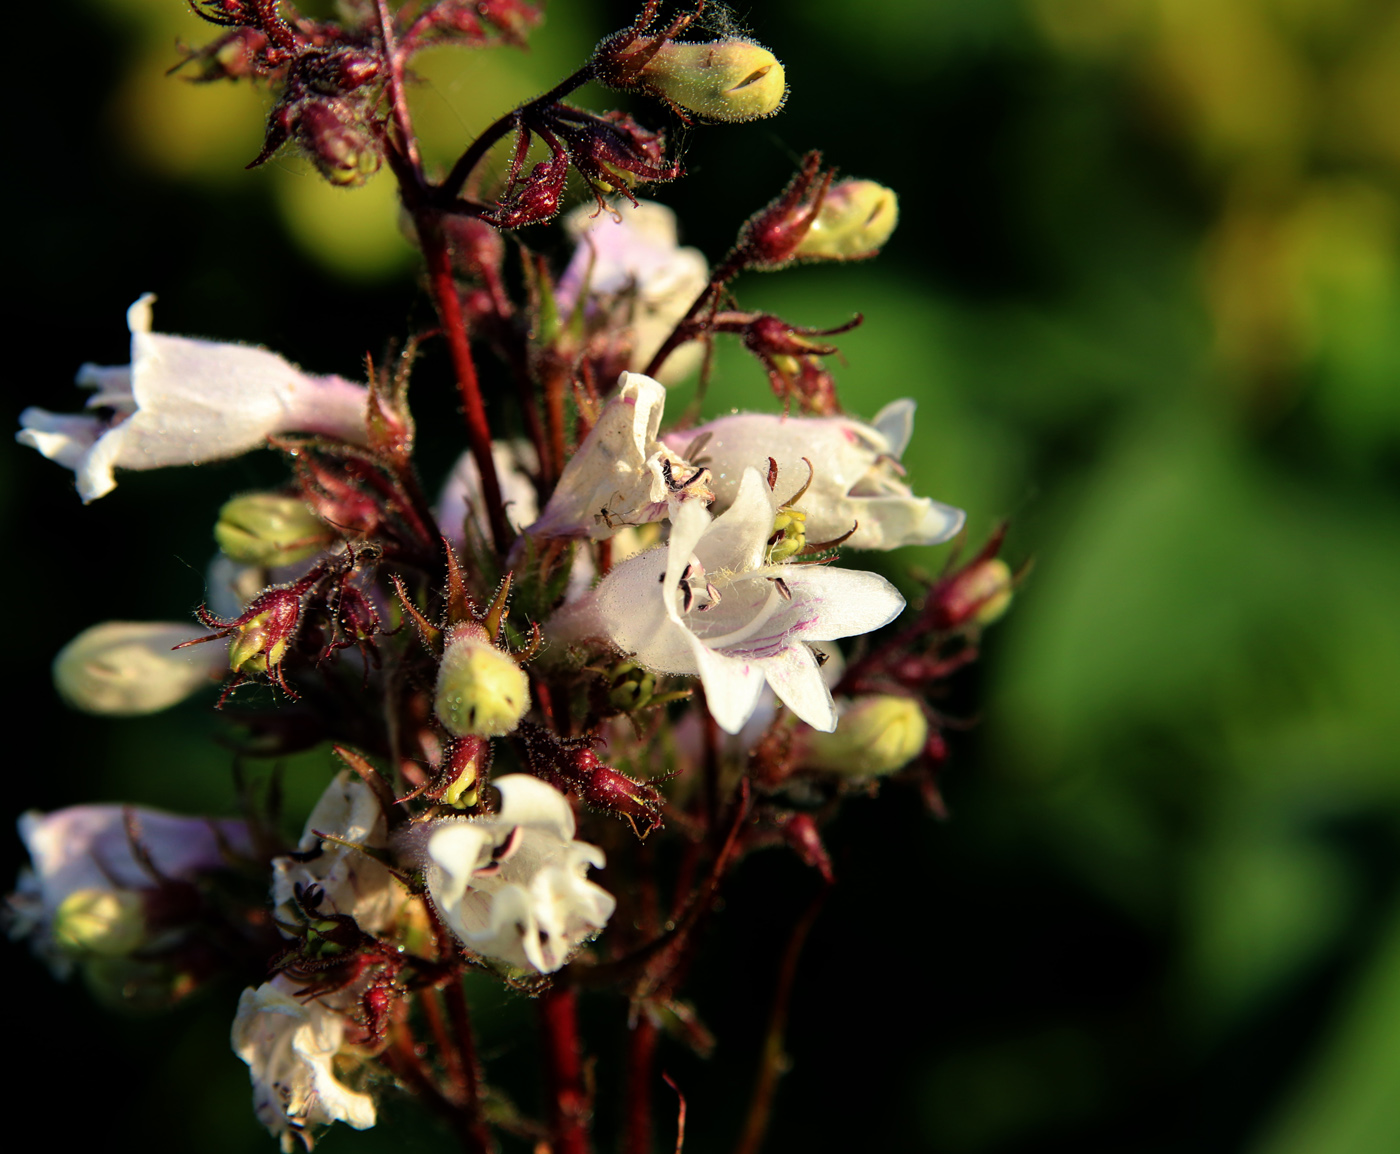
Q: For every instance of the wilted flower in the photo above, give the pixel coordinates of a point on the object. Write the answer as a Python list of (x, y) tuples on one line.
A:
[(183, 401), (83, 891), (856, 475), (513, 886), (709, 603), (290, 1045), (640, 281), (622, 474), (127, 668), (351, 882)]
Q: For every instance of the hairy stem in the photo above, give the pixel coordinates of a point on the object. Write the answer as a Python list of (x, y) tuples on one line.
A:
[(641, 1059), (568, 1102)]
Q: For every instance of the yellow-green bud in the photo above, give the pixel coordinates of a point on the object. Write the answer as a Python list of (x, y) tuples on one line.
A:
[(269, 529), (99, 921), (126, 668), (631, 686), (996, 578), (725, 80), (875, 735), (855, 220), (481, 691)]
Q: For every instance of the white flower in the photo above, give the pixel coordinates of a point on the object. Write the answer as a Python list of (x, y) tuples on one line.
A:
[(708, 603), (621, 474), (182, 402), (513, 886), (83, 871), (352, 882), (856, 473), (127, 668), (290, 1045), (461, 498), (632, 264)]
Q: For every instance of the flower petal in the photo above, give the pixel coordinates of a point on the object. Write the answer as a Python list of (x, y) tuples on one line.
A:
[(732, 686), (526, 800), (797, 680), (841, 602)]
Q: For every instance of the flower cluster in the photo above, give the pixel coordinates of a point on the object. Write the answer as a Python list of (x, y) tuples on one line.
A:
[(610, 624)]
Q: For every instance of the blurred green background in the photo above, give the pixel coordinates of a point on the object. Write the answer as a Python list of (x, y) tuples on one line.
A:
[(1146, 290)]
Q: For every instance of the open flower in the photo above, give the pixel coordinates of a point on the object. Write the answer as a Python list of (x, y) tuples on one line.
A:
[(290, 1045), (709, 603), (183, 401), (84, 892), (640, 281), (622, 474), (856, 475), (513, 886), (350, 882)]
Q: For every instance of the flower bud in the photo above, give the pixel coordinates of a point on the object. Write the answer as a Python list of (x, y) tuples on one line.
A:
[(979, 594), (729, 80), (855, 220), (875, 735), (107, 922), (263, 635), (481, 690), (344, 153), (126, 668), (269, 529)]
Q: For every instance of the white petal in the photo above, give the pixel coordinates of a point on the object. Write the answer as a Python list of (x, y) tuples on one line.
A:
[(797, 680), (895, 423), (841, 602), (65, 438), (457, 849), (128, 668), (737, 538), (732, 686), (526, 800)]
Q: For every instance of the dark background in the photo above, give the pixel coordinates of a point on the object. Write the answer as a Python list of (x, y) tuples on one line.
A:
[(1145, 288)]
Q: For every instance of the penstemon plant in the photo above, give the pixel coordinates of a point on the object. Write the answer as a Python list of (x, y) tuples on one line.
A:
[(570, 695)]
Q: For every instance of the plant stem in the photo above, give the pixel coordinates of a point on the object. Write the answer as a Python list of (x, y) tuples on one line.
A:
[(482, 144), (641, 1058), (773, 1061), (568, 1103), (449, 308)]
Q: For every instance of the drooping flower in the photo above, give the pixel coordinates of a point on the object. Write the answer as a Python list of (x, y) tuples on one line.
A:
[(290, 1045), (350, 882), (640, 281), (709, 602), (184, 401), (856, 475), (83, 892), (128, 668), (513, 886), (622, 474)]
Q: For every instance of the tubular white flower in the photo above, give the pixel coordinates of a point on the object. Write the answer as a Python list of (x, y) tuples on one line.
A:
[(707, 603), (619, 474), (352, 882), (290, 1045), (461, 496), (632, 262), (84, 852), (856, 473), (513, 886), (183, 401), (128, 668)]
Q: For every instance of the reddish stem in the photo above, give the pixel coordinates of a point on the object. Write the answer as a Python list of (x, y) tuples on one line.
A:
[(641, 1059), (774, 1061), (568, 1102), (449, 308)]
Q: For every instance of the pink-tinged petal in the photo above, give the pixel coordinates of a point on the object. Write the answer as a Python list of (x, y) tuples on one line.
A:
[(840, 602), (732, 686), (895, 422), (797, 680)]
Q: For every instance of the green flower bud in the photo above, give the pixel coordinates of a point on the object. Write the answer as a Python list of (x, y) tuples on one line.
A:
[(630, 686), (481, 691), (726, 80), (855, 220), (269, 529), (110, 923), (874, 735)]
